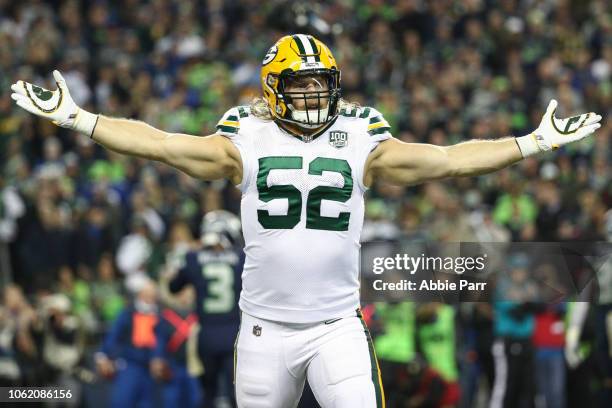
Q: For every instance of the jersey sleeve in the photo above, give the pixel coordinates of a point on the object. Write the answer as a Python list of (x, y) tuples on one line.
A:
[(229, 126), (182, 277), (377, 130), (179, 281)]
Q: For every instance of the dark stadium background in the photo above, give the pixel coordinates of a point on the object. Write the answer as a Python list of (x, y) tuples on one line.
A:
[(440, 71)]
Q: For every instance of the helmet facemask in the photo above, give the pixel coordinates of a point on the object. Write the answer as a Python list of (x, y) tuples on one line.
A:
[(311, 96)]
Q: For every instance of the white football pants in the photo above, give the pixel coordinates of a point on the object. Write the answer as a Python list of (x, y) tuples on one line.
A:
[(273, 360)]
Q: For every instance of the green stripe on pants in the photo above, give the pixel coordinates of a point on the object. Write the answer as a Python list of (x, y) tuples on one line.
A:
[(376, 379), (236, 352)]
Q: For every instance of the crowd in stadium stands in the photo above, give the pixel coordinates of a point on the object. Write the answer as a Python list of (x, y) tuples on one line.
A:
[(81, 228)]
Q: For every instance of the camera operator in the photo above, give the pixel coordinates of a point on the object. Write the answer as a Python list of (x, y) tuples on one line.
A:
[(63, 343)]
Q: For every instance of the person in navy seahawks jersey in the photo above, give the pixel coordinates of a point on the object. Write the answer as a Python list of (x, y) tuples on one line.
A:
[(215, 272)]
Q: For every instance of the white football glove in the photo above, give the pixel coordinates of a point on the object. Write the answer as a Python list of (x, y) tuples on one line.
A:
[(554, 132), (57, 106)]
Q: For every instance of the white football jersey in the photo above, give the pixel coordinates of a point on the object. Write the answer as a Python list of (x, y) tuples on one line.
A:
[(302, 212)]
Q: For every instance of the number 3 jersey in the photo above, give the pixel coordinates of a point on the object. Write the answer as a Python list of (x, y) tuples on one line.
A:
[(302, 212), (215, 276)]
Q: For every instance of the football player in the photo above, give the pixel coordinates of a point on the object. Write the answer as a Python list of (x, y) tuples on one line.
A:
[(303, 159), (214, 271)]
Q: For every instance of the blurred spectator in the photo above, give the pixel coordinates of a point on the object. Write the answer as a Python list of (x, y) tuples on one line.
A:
[(175, 349), (128, 348), (513, 348), (422, 387), (548, 339), (12, 208), (515, 209), (17, 346), (106, 291), (79, 295), (378, 224), (393, 328), (63, 345), (436, 341), (588, 340), (475, 344), (133, 255)]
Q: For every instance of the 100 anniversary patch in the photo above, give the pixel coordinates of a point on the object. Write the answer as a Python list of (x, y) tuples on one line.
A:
[(338, 138)]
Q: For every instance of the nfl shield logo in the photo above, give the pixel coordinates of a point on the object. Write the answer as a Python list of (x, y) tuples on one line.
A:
[(338, 138), (257, 330)]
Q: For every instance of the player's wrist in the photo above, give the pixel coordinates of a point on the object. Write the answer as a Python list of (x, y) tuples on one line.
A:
[(529, 145), (85, 122)]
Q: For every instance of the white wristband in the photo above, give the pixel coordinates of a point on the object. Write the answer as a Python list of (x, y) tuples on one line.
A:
[(528, 145), (85, 122)]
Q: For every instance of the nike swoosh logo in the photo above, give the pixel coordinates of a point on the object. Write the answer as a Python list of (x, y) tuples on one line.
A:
[(331, 321)]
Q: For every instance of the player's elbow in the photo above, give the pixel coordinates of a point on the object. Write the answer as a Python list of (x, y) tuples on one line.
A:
[(206, 159), (220, 166)]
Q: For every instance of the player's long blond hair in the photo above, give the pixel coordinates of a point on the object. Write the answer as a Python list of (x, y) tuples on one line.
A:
[(261, 110)]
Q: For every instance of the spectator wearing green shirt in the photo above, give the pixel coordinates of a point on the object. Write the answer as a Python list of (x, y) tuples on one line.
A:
[(394, 341), (516, 210)]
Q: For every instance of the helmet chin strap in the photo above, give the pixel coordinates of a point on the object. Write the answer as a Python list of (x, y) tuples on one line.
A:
[(302, 117), (307, 134)]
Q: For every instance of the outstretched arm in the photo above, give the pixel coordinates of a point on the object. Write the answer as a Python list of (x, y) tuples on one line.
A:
[(208, 158), (412, 163)]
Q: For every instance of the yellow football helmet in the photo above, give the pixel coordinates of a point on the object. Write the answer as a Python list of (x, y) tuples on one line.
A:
[(290, 60)]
